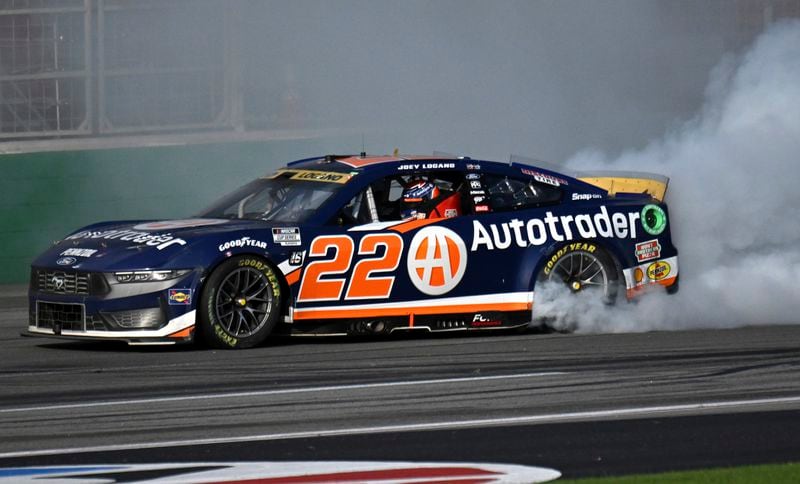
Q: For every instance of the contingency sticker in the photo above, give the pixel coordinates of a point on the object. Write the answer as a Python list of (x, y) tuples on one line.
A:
[(180, 297), (314, 175), (648, 250), (286, 236)]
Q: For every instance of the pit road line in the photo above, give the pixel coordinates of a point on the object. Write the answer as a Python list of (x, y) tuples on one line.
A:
[(287, 391), (529, 419)]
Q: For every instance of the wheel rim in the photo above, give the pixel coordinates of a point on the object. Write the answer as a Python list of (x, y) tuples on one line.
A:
[(243, 302), (581, 271)]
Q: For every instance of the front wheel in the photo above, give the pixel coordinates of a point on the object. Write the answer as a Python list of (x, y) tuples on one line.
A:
[(240, 304)]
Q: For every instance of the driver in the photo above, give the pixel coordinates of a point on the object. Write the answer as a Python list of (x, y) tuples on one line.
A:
[(423, 199)]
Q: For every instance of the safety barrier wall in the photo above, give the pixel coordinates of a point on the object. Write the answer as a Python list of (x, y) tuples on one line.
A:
[(46, 195)]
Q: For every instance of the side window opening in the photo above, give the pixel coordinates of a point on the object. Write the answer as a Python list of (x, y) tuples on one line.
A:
[(390, 199), (507, 193)]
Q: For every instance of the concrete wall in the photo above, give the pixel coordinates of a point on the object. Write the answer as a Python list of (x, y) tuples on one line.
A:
[(45, 195)]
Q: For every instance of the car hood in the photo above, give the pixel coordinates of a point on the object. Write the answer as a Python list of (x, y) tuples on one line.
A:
[(145, 244)]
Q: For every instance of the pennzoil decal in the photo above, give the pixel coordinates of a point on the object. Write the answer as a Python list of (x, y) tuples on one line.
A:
[(658, 271)]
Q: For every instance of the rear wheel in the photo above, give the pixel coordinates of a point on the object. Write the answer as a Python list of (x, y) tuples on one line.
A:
[(582, 268), (585, 270), (240, 304)]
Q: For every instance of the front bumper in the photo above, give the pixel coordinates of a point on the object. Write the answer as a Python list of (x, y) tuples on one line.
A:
[(138, 313)]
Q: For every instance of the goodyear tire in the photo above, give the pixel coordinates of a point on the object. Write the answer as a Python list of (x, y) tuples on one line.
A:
[(583, 266), (240, 304)]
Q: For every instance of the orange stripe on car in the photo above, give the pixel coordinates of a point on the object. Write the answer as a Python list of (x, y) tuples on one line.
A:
[(184, 333), (311, 313), (358, 162), (293, 277), (635, 291), (413, 224)]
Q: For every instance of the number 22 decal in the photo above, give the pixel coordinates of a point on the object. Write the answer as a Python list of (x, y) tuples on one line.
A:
[(364, 283)]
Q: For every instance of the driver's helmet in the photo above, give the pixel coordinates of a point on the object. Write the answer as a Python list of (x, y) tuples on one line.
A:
[(416, 194)]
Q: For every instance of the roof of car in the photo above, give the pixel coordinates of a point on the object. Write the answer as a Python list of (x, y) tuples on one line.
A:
[(351, 162)]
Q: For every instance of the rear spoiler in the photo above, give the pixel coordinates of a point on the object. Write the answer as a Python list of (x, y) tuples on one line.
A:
[(627, 182)]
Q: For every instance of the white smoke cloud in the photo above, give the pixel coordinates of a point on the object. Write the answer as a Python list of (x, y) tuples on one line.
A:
[(734, 200)]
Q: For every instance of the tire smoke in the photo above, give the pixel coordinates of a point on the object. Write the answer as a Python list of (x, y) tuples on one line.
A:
[(734, 201)]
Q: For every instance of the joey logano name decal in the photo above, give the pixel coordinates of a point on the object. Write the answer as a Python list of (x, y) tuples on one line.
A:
[(538, 231)]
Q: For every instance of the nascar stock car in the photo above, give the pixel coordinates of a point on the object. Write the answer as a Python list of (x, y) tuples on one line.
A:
[(358, 244)]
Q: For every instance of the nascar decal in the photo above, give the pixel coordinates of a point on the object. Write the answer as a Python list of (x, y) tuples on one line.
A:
[(437, 259), (179, 224), (286, 236), (297, 472), (538, 231), (159, 241)]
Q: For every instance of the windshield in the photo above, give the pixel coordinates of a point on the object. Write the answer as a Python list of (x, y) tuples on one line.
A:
[(283, 198)]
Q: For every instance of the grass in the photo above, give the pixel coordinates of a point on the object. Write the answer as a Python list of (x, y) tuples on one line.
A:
[(767, 474)]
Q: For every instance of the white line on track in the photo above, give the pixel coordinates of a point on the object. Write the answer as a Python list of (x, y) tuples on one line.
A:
[(527, 419), (287, 391)]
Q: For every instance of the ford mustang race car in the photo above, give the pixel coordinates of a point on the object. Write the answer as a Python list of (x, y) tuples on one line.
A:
[(359, 244)]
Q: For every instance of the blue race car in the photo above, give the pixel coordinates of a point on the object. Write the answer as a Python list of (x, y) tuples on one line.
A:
[(358, 245)]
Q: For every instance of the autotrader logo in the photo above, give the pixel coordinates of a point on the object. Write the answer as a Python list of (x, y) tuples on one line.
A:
[(437, 259)]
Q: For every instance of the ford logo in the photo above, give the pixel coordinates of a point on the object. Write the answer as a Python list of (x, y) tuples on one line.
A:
[(58, 283), (66, 261)]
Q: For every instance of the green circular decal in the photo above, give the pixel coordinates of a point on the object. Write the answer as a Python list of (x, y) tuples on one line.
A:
[(654, 220)]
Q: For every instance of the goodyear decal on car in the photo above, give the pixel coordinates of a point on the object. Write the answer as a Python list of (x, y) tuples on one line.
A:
[(314, 175), (539, 231), (584, 246)]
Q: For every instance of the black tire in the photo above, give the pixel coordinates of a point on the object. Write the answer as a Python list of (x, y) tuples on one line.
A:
[(240, 304), (583, 266), (575, 265)]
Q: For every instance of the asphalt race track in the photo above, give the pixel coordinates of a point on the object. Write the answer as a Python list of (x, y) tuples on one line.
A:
[(582, 404)]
